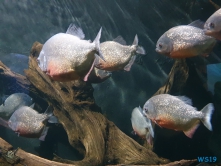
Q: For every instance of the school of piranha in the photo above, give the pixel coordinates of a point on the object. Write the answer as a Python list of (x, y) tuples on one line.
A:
[(68, 56)]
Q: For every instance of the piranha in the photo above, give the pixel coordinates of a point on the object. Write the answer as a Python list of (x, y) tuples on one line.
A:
[(27, 122), (67, 57), (13, 102), (15, 62), (185, 41), (117, 55), (176, 112), (142, 125), (212, 26), (98, 75)]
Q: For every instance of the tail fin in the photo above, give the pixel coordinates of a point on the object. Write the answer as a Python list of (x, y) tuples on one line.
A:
[(97, 44), (140, 50), (207, 113)]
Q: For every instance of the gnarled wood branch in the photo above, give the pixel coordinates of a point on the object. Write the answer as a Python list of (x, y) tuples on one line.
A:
[(94, 136), (176, 79), (9, 157)]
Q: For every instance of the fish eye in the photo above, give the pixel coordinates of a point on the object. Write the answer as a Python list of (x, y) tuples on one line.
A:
[(145, 110), (160, 46), (212, 25)]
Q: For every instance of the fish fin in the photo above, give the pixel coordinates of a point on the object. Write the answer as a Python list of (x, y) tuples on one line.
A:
[(207, 111), (4, 123), (97, 44), (150, 128), (96, 60), (87, 75), (128, 66), (141, 111), (133, 132), (45, 64), (4, 98), (49, 110), (185, 99), (120, 40), (155, 121), (140, 50), (189, 133), (44, 133), (103, 73), (197, 23), (32, 106), (97, 63), (76, 31), (149, 139), (135, 40), (53, 119), (17, 133)]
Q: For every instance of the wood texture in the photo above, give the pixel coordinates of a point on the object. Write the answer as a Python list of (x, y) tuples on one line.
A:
[(92, 134)]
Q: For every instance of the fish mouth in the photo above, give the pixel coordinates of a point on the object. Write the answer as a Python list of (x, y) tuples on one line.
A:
[(162, 52), (207, 31), (157, 50)]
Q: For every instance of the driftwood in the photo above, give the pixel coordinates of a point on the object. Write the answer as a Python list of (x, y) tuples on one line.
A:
[(97, 138), (176, 79), (18, 157), (94, 136)]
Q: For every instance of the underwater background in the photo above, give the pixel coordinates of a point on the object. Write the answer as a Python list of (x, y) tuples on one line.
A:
[(25, 21)]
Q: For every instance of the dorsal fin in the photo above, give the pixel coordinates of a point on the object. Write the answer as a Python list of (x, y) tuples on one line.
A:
[(135, 40), (76, 31), (197, 23), (32, 106), (120, 39), (140, 109), (185, 99)]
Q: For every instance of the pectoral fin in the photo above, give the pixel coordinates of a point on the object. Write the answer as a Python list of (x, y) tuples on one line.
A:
[(92, 66)]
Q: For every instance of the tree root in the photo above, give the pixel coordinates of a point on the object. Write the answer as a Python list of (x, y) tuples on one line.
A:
[(94, 136)]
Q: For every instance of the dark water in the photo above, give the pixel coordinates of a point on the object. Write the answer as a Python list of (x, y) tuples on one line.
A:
[(24, 22)]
